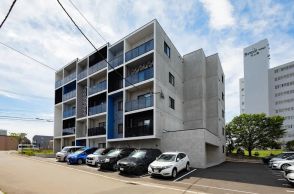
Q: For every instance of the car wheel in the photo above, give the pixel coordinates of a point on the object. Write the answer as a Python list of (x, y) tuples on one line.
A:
[(80, 161), (174, 173), (187, 167), (285, 166)]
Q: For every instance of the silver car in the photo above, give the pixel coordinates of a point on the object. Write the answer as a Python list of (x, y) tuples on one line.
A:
[(281, 156), (62, 155)]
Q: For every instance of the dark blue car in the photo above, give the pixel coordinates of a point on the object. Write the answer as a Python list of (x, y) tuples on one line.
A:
[(80, 155)]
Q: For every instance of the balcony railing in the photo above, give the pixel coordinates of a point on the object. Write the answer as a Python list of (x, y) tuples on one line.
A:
[(69, 113), (98, 66), (97, 109), (139, 104), (143, 48), (97, 87), (140, 76), (69, 131), (118, 60), (69, 78), (96, 131), (82, 74), (69, 95), (139, 131), (58, 83)]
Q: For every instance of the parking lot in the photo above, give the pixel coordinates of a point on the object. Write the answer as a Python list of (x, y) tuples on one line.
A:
[(227, 178)]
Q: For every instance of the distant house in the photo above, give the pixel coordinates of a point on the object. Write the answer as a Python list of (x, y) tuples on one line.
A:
[(3, 132), (42, 141)]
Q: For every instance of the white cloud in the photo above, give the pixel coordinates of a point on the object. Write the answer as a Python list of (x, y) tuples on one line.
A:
[(220, 13)]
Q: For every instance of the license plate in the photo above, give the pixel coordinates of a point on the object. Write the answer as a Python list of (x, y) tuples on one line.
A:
[(121, 169), (98, 165), (156, 171)]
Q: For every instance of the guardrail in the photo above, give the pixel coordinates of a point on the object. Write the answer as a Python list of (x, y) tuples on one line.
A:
[(143, 48)]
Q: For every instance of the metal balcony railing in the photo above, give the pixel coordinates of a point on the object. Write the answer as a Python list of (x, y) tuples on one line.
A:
[(97, 109), (69, 78), (143, 48), (96, 131), (98, 66), (139, 104), (69, 95), (139, 131), (82, 74), (139, 76), (97, 87), (118, 60), (69, 113), (68, 131), (58, 83)]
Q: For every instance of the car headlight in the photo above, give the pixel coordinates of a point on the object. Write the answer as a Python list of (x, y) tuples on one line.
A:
[(107, 160), (166, 167)]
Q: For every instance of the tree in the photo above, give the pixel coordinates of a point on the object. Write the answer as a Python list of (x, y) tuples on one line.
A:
[(256, 130), (229, 140), (290, 145), (21, 138)]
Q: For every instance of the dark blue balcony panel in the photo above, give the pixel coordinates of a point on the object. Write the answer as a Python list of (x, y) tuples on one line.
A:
[(97, 87), (140, 50), (82, 74), (139, 104), (98, 66), (97, 109), (69, 95), (139, 76), (138, 131), (69, 113), (69, 77), (69, 131), (116, 61), (58, 83), (96, 131)]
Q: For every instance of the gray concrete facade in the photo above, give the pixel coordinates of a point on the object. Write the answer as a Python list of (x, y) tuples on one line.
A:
[(166, 100)]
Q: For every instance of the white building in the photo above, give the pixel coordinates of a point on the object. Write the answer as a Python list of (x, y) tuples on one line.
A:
[(267, 90), (149, 96)]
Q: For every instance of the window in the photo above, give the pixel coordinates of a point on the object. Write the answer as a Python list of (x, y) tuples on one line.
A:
[(120, 105), (223, 149), (166, 49), (223, 78), (223, 114), (171, 103), (223, 131), (171, 79), (120, 128), (223, 96)]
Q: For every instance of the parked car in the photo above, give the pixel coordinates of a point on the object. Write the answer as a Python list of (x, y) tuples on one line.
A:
[(283, 155), (109, 161), (283, 163), (93, 158), (169, 164), (138, 161), (62, 155), (266, 159), (80, 155), (289, 175)]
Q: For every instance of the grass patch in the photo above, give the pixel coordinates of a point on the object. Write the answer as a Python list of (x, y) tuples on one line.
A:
[(261, 153), (30, 152)]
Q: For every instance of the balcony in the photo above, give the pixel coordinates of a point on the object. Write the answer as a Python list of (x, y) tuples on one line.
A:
[(118, 60), (69, 95), (69, 131), (97, 109), (69, 113), (82, 74), (139, 131), (96, 131), (69, 78), (139, 104), (98, 66), (140, 50), (97, 87), (58, 83), (140, 76)]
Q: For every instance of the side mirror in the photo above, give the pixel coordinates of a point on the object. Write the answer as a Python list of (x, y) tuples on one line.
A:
[(178, 159), (156, 158)]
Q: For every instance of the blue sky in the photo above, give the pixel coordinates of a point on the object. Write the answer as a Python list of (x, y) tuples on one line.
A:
[(41, 30)]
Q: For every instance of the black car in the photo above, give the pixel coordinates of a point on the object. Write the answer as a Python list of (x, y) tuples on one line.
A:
[(138, 161), (109, 161)]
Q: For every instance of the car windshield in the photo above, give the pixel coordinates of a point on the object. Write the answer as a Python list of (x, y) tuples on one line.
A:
[(65, 149), (290, 157), (98, 151), (286, 155), (166, 158), (113, 153), (79, 151), (138, 154)]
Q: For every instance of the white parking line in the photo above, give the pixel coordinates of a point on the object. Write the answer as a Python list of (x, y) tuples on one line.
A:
[(281, 179), (185, 175), (290, 191)]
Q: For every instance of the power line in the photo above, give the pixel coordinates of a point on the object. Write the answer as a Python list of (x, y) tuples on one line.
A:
[(21, 94), (8, 13), (87, 20), (51, 68), (24, 118)]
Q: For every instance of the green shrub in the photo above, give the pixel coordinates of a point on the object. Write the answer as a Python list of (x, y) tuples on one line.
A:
[(256, 154)]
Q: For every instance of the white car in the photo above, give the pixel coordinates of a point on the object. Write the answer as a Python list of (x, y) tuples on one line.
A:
[(289, 174), (92, 159), (282, 156), (283, 163), (62, 155), (169, 164)]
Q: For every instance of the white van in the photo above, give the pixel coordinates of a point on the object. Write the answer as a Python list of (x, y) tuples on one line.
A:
[(22, 147)]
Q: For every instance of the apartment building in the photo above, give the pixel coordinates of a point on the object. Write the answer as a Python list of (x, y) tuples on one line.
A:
[(267, 90), (147, 95)]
